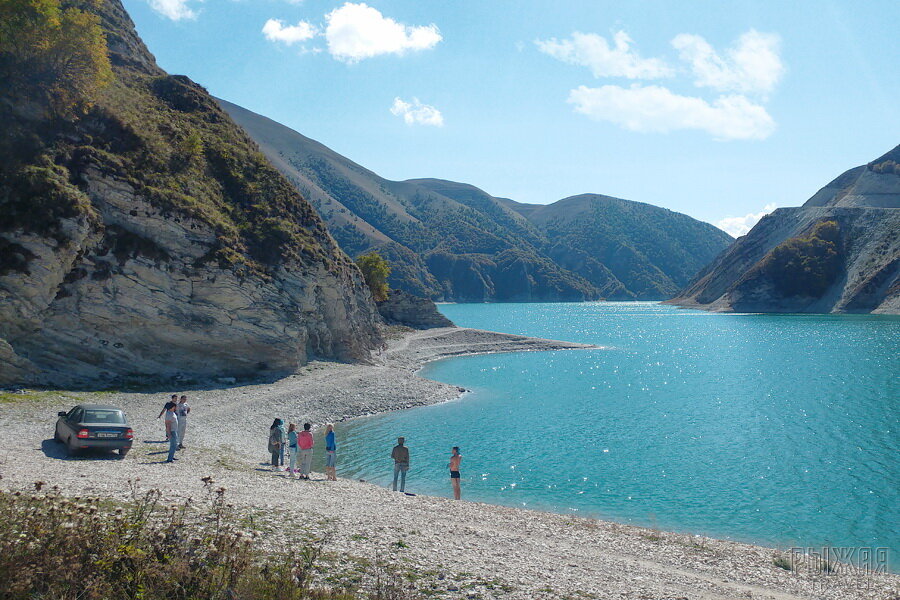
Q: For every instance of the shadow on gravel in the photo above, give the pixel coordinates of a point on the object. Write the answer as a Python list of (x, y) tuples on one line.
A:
[(155, 441), (53, 449)]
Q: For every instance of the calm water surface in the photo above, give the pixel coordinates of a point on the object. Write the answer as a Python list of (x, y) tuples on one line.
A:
[(782, 430)]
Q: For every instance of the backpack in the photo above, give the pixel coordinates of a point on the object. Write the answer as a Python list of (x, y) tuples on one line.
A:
[(305, 440)]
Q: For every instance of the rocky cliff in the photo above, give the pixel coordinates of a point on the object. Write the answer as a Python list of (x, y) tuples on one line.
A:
[(453, 241), (145, 237), (839, 252), (402, 308)]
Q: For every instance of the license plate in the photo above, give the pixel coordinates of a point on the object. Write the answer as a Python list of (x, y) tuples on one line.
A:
[(107, 434)]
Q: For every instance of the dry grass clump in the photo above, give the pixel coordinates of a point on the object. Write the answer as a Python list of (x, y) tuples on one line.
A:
[(64, 548)]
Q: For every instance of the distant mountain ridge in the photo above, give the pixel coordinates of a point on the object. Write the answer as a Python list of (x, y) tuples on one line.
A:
[(842, 246), (455, 242)]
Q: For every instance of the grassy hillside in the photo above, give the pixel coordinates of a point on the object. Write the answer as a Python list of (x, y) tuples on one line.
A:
[(453, 241), (162, 134), (652, 251)]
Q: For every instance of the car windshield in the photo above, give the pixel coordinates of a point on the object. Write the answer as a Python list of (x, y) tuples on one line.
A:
[(113, 417)]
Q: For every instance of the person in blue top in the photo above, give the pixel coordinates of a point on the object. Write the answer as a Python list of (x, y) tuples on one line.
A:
[(330, 449), (292, 448)]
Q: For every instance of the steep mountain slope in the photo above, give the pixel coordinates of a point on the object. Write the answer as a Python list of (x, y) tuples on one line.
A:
[(645, 250), (453, 241), (146, 237), (839, 252), (438, 247)]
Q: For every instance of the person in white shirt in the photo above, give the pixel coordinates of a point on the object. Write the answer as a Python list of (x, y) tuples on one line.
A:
[(172, 429)]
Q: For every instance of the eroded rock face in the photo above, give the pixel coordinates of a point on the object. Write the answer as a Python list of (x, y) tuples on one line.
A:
[(149, 239), (864, 202), (402, 308), (124, 300)]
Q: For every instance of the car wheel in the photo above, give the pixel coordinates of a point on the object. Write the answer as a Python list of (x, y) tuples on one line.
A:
[(123, 451), (56, 437), (70, 451)]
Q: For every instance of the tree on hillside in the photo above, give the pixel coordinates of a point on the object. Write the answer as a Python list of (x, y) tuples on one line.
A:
[(375, 270), (53, 54), (806, 265)]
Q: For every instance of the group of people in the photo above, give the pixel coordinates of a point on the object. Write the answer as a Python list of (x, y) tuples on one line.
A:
[(298, 445), (176, 411)]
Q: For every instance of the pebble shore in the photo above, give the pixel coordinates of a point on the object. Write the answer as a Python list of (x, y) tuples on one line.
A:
[(446, 549)]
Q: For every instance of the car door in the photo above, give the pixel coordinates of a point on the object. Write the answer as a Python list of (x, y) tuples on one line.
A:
[(71, 423)]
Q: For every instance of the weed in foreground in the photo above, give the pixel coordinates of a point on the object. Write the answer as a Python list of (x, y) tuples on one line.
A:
[(52, 546)]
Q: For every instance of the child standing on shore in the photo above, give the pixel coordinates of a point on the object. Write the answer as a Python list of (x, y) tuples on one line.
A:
[(330, 449), (455, 460)]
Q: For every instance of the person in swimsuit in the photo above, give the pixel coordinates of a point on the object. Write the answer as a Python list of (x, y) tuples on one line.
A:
[(455, 459)]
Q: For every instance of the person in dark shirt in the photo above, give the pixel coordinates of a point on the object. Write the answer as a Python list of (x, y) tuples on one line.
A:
[(165, 408), (400, 454)]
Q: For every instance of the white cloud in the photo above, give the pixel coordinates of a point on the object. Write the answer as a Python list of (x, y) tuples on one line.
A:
[(276, 30), (593, 51), (358, 31), (752, 65), (417, 113), (654, 108), (738, 226), (173, 9)]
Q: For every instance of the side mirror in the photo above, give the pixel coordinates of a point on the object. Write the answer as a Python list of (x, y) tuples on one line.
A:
[(61, 413)]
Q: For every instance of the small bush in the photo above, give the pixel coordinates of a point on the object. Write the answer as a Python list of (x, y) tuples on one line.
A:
[(783, 563)]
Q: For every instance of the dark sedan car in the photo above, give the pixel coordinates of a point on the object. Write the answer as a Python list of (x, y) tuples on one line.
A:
[(94, 426)]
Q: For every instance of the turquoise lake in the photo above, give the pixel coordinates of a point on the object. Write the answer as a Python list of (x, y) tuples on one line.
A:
[(782, 430)]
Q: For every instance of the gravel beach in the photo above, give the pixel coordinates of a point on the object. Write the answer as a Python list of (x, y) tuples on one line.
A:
[(446, 549)]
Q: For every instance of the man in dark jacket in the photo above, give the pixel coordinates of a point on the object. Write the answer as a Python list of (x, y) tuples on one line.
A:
[(400, 454)]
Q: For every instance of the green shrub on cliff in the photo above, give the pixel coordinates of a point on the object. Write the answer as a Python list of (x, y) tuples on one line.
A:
[(53, 54), (805, 266), (375, 270), (73, 108)]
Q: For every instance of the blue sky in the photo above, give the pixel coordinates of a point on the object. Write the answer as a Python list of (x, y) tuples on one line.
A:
[(712, 108)]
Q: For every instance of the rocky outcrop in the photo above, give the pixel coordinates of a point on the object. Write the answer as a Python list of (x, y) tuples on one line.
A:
[(864, 204), (402, 308), (149, 240)]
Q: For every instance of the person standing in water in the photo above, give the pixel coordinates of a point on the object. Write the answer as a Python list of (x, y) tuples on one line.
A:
[(400, 454), (455, 459), (183, 409), (330, 449)]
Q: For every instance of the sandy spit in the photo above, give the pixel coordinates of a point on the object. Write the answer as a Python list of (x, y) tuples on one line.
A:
[(450, 549)]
